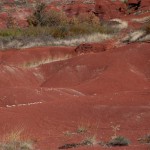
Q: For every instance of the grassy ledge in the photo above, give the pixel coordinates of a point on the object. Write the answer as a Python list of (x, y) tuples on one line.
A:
[(55, 28)]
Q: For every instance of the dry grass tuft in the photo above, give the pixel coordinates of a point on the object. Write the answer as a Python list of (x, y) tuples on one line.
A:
[(14, 141), (35, 63), (82, 129), (13, 135), (145, 139), (90, 141), (147, 27)]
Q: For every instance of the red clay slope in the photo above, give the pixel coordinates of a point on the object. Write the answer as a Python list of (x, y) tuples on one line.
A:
[(47, 91), (96, 89)]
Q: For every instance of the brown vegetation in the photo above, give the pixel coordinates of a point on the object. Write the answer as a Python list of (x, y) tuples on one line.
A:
[(61, 26)]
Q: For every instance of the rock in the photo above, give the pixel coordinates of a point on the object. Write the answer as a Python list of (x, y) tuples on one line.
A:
[(86, 48)]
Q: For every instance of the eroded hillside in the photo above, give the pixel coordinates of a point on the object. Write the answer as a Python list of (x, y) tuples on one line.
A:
[(80, 95)]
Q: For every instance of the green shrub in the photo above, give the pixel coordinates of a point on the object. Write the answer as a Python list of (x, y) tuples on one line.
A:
[(43, 17), (39, 16), (119, 141), (10, 32), (59, 32), (57, 24)]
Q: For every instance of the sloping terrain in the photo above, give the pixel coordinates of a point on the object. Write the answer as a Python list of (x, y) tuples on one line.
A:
[(100, 89), (52, 92)]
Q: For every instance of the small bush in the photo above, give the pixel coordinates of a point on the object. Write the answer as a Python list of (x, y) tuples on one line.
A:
[(59, 32), (39, 17), (145, 139), (67, 146), (119, 141), (43, 17), (81, 129), (80, 29)]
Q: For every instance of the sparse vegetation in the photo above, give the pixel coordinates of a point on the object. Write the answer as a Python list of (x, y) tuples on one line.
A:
[(14, 141), (60, 26), (88, 2), (67, 146), (42, 17), (140, 35), (16, 145), (89, 140), (46, 60), (57, 25), (86, 142), (115, 129), (116, 140), (82, 129), (10, 21), (147, 27), (49, 27), (119, 141), (68, 133), (145, 139)]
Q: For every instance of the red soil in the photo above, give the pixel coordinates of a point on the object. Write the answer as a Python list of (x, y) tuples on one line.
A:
[(105, 9), (95, 85), (100, 89)]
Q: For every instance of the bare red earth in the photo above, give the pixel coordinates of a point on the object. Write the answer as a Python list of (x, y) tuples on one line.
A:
[(100, 89), (50, 90)]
